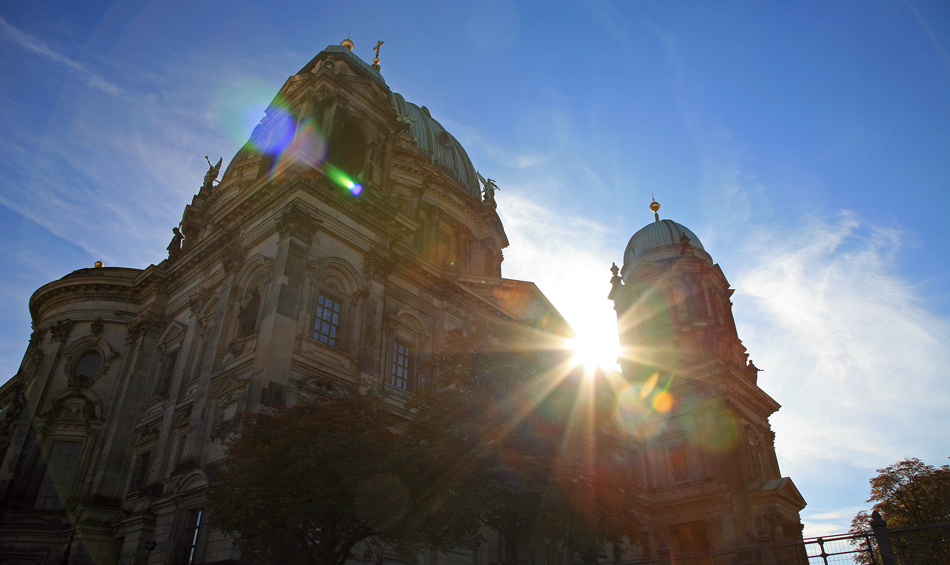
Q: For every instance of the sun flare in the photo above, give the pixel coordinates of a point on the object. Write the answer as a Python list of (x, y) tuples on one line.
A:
[(593, 350)]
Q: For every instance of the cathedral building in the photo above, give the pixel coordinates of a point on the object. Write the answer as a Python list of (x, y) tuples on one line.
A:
[(711, 476), (341, 243)]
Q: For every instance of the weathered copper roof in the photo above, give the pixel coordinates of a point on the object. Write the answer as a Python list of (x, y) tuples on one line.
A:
[(440, 146), (658, 234)]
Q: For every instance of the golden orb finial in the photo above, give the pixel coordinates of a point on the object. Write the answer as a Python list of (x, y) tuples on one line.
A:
[(347, 43), (655, 207), (98, 264)]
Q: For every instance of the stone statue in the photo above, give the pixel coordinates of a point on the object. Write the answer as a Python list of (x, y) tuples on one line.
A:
[(174, 248), (406, 122), (490, 187), (212, 174)]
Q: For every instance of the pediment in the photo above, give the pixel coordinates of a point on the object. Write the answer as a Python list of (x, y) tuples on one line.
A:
[(783, 489)]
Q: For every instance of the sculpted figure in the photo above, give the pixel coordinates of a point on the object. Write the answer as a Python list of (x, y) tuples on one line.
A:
[(174, 248), (490, 187), (212, 174)]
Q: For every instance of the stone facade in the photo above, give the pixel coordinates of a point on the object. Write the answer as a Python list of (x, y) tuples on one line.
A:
[(287, 285), (342, 242), (706, 450)]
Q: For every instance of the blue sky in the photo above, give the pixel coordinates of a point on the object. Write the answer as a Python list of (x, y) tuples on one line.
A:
[(807, 144)]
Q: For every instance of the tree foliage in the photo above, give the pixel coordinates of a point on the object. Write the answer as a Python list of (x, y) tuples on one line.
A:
[(505, 438), (907, 493), (312, 484)]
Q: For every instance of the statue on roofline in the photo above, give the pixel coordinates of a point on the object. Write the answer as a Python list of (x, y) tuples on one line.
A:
[(174, 248), (212, 174), (490, 187)]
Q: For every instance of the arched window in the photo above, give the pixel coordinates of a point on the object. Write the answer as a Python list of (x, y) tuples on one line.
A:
[(247, 316), (335, 288), (348, 149), (406, 336), (326, 325)]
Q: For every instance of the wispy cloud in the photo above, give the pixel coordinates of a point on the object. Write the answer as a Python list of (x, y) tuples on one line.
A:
[(845, 340), (830, 522), (33, 44)]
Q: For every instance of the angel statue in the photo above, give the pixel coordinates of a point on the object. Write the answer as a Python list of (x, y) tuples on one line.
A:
[(212, 174), (490, 187)]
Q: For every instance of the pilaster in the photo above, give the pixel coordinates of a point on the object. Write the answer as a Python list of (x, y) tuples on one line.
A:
[(285, 299), (376, 271)]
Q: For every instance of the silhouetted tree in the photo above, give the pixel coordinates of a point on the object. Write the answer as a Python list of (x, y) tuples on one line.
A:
[(312, 484), (505, 437)]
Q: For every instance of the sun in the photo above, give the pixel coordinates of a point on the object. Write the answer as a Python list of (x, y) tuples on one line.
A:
[(595, 349)]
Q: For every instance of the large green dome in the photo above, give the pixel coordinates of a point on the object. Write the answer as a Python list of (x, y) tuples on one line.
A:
[(440, 147)]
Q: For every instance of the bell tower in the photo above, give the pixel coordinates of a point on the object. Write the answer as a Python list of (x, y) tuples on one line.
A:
[(693, 408)]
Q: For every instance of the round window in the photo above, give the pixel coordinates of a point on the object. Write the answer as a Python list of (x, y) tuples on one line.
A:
[(88, 365)]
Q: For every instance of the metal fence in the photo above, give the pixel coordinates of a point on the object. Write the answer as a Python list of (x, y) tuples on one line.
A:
[(918, 545)]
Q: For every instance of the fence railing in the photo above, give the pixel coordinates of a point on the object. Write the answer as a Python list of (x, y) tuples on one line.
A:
[(917, 545)]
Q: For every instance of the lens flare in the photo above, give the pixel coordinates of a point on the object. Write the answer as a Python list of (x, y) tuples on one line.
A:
[(240, 105), (640, 406), (340, 177), (663, 402), (649, 385)]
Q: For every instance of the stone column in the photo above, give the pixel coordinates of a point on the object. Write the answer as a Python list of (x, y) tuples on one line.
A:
[(232, 262), (144, 332), (285, 300), (417, 192), (434, 222), (387, 164), (162, 456), (376, 270)]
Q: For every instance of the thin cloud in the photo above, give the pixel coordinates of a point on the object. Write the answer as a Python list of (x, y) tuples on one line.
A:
[(828, 523), (35, 45), (847, 342)]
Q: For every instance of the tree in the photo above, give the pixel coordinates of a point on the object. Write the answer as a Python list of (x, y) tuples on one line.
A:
[(505, 438), (311, 484), (907, 493)]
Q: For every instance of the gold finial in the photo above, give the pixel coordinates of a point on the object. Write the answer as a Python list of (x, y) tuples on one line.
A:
[(655, 206), (347, 43), (98, 264), (376, 58)]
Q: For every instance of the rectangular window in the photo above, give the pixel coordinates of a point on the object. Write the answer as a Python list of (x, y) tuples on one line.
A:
[(168, 369), (272, 394), (190, 539), (679, 465), (327, 324), (60, 472), (141, 470), (401, 364)]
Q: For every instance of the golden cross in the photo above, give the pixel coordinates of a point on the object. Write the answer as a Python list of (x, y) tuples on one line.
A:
[(376, 49)]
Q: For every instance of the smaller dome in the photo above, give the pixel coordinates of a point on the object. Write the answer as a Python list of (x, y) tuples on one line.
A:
[(655, 235)]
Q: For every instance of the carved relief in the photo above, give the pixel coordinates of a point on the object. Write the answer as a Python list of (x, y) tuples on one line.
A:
[(233, 259), (358, 295), (72, 411), (197, 300), (60, 330), (376, 267), (96, 326), (150, 324), (11, 414), (298, 224)]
